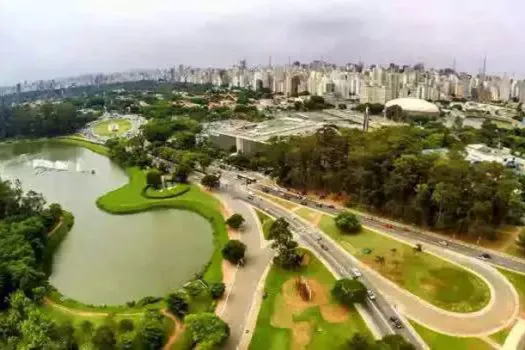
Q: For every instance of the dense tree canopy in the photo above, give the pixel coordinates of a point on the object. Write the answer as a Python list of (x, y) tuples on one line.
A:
[(45, 120), (386, 171)]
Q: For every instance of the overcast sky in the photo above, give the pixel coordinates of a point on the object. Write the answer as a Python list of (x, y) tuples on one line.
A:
[(41, 39)]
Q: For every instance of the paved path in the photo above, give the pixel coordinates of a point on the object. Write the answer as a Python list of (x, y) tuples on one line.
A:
[(501, 310), (239, 302), (516, 338)]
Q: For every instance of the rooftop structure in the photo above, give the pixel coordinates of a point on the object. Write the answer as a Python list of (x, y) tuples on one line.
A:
[(414, 106), (482, 153)]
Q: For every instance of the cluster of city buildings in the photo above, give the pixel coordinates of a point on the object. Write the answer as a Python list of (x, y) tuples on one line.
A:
[(366, 84)]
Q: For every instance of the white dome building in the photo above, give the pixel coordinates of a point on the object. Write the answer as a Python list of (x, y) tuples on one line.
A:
[(414, 106)]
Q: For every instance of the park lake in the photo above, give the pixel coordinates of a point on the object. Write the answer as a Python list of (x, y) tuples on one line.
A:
[(107, 259)]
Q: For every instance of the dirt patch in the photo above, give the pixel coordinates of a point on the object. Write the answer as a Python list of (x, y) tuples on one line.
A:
[(306, 260), (334, 313), (293, 298), (301, 332)]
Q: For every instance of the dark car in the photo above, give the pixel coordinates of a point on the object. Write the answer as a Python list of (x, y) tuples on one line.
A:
[(484, 257), (331, 206), (265, 190), (320, 205), (304, 203), (396, 322)]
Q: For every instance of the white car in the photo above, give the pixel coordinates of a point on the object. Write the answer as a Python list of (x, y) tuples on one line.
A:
[(356, 272), (371, 294), (443, 243)]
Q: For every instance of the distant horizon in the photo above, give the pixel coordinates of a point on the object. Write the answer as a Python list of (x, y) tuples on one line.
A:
[(276, 64)]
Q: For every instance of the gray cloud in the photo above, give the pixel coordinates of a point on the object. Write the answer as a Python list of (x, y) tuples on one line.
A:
[(53, 38)]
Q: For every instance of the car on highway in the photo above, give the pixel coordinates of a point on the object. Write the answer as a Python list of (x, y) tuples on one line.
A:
[(484, 257), (331, 206), (265, 190), (443, 243), (371, 294), (356, 272), (303, 202), (396, 322)]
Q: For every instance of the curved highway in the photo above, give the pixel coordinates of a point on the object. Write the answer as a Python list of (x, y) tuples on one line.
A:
[(501, 310)]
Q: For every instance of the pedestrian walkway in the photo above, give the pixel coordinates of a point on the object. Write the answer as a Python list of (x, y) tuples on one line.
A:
[(242, 293), (516, 338)]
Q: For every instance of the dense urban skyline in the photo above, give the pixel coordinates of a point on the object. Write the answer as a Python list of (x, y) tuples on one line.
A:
[(62, 38)]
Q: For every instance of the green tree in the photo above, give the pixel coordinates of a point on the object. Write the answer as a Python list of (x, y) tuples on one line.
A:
[(234, 251), (182, 172), (210, 181), (394, 342), (349, 291), (104, 338), (151, 332), (207, 330), (288, 253), (154, 178), (359, 342), (347, 222), (178, 303), (126, 325), (217, 290), (235, 221)]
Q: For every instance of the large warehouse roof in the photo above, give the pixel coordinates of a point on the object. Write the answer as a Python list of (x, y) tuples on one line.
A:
[(410, 104)]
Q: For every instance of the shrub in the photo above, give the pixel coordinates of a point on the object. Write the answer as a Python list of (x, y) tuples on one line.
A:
[(348, 291), (235, 221), (217, 290), (234, 251), (126, 325), (178, 303), (347, 223)]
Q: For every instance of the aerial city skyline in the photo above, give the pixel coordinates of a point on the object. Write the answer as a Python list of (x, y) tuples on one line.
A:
[(367, 83)]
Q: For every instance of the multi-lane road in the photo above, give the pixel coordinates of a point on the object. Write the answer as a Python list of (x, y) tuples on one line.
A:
[(380, 309), (403, 231), (392, 300)]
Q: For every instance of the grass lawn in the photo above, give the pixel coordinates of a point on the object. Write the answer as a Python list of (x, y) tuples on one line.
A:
[(309, 215), (285, 321), (80, 141), (266, 222), (103, 128), (282, 202), (170, 192), (435, 280), (518, 281), (441, 341), (501, 336)]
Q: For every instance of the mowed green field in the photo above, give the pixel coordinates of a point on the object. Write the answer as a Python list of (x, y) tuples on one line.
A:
[(437, 281), (104, 128), (441, 341), (285, 321), (266, 222)]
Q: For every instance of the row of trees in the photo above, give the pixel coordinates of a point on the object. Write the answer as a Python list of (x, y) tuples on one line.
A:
[(386, 171), (46, 120)]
